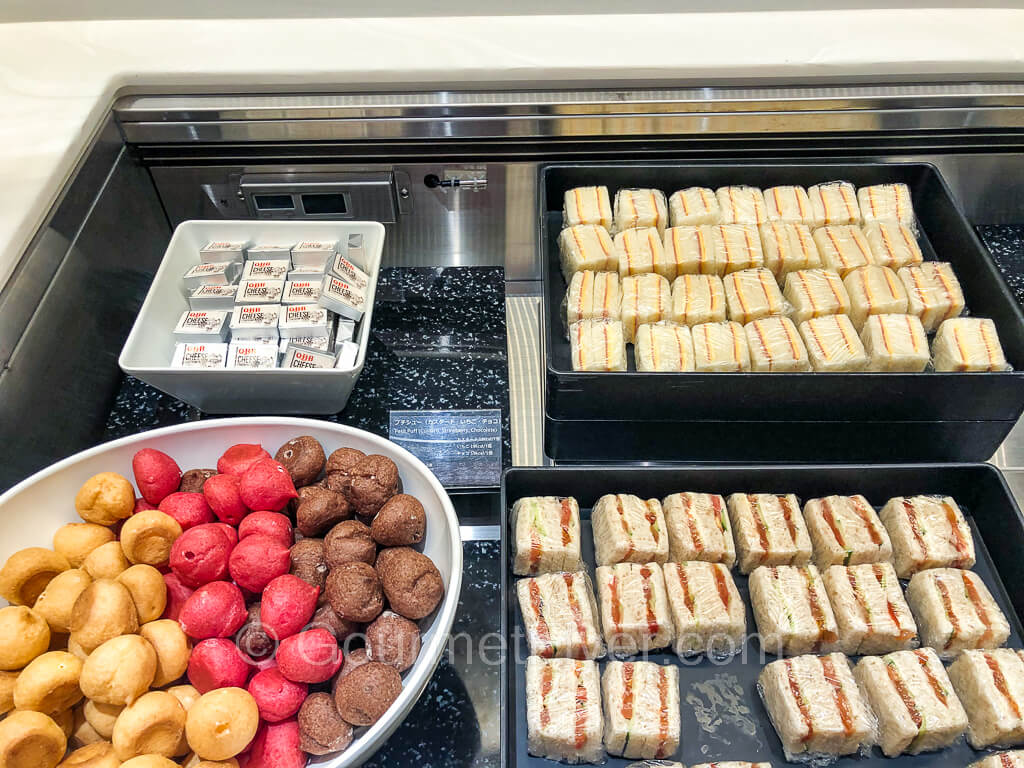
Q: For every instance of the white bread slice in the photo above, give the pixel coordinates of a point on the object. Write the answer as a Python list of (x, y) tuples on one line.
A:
[(563, 710), (641, 709), (707, 611), (792, 610), (635, 616), (628, 529), (560, 616), (990, 685), (547, 535)]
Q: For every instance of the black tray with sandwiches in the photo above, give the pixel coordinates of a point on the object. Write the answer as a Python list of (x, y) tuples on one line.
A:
[(981, 406), (962, 515)]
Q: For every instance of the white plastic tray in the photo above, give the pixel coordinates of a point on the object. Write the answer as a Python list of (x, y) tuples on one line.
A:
[(150, 345)]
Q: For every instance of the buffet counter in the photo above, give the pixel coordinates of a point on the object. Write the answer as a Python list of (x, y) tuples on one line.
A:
[(55, 108)]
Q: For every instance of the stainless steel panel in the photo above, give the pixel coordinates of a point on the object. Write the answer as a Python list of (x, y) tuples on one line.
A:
[(57, 388), (368, 196), (20, 297), (438, 226)]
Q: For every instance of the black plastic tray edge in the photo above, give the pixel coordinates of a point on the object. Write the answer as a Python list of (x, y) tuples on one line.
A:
[(985, 260), (506, 699)]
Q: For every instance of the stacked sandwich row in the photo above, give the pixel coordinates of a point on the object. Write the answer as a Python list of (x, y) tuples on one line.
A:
[(663, 577), (816, 280)]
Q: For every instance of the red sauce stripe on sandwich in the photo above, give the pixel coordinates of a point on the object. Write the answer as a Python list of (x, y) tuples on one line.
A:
[(645, 583), (546, 677), (915, 528), (858, 597), (536, 550), (663, 712), (947, 607), (963, 552), (627, 691), (979, 607), (904, 633), (933, 681), (825, 635), (829, 514), (684, 585), (787, 513), (581, 708), (537, 606), (625, 525), (759, 523), (566, 521), (1000, 680), (723, 586), (651, 516), (577, 614), (866, 517), (613, 591), (904, 693), (842, 702), (801, 702)]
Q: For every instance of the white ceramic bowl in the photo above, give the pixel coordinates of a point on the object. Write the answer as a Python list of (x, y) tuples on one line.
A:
[(32, 510)]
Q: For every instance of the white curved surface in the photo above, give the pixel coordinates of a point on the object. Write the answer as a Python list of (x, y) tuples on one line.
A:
[(58, 79), (32, 510)]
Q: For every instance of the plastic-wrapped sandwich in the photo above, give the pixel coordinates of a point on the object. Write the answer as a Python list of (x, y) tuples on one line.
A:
[(816, 293), (563, 710), (707, 610), (597, 345), (927, 532), (738, 246), (788, 247), (955, 611), (547, 535), (742, 205), (560, 616), (586, 247), (720, 348), (833, 344), (628, 529), (792, 610), (691, 251), (768, 530), (638, 250), (635, 616), (895, 343), (788, 204), (933, 291), (870, 609), (990, 685), (892, 245), (775, 346), (636, 208), (846, 530), (842, 248), (1014, 759), (753, 293), (693, 206), (834, 203), (587, 205), (663, 347), (887, 202), (698, 299), (816, 707), (914, 701), (593, 296), (874, 291), (968, 344), (645, 299), (698, 528), (641, 705)]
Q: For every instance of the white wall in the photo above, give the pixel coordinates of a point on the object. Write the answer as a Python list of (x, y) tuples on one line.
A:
[(56, 10)]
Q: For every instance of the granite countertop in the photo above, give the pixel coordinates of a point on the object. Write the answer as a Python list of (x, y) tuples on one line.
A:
[(437, 343)]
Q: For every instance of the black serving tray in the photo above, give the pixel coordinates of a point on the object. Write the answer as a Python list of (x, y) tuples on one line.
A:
[(840, 397), (722, 717), (739, 442)]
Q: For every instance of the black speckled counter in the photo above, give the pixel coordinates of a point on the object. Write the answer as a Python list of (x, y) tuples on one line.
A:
[(437, 342), (457, 720), (1006, 244)]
